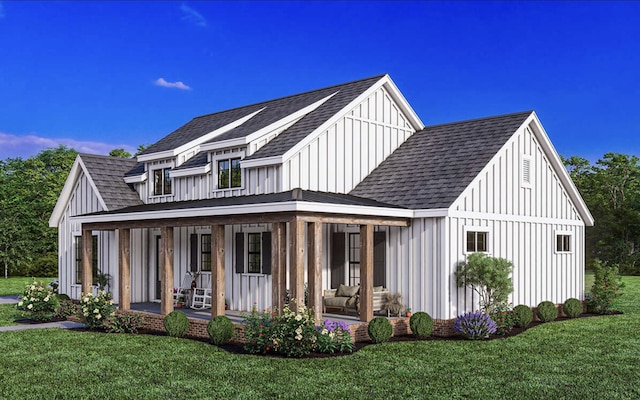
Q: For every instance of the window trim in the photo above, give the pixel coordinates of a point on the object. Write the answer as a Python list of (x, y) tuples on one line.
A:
[(215, 160), (477, 229), (245, 250), (203, 251), (559, 233), (166, 174), (248, 252)]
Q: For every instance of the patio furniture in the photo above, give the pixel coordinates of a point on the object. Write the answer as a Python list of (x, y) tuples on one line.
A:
[(178, 293), (201, 296), (348, 297)]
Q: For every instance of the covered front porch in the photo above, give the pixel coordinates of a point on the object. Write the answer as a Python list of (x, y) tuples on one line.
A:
[(296, 219)]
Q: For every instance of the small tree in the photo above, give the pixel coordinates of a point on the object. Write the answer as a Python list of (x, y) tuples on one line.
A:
[(487, 276)]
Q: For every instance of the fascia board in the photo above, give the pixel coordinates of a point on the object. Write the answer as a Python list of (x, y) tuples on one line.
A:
[(190, 171), (198, 141), (65, 194), (261, 162), (431, 213), (136, 178), (267, 129), (560, 169), (290, 206)]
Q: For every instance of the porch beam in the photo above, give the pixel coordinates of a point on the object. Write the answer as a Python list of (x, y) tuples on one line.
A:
[(217, 270), (124, 269), (314, 265), (326, 218), (166, 270), (296, 263), (366, 273), (278, 265), (87, 260)]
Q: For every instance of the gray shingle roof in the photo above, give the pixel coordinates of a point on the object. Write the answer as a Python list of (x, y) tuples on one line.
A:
[(107, 172), (432, 168), (281, 197), (274, 110)]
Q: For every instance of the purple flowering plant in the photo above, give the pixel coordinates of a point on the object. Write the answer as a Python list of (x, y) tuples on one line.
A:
[(475, 325), (333, 337)]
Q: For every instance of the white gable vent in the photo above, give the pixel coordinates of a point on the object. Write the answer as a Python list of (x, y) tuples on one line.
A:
[(526, 172)]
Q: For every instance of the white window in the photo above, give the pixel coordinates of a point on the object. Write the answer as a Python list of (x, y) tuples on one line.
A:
[(161, 182), (526, 170), (476, 239), (564, 242)]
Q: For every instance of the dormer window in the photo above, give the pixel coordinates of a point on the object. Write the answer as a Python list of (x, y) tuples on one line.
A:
[(229, 173), (161, 182)]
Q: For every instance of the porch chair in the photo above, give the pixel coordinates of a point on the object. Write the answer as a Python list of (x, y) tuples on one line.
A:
[(201, 296), (184, 285)]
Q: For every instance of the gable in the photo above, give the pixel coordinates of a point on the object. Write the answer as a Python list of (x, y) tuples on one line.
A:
[(434, 166)]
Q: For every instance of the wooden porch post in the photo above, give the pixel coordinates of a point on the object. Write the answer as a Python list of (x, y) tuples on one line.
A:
[(296, 264), (278, 265), (166, 270), (366, 273), (314, 265), (217, 270), (87, 261), (124, 268)]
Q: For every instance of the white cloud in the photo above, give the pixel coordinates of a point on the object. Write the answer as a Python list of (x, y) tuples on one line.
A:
[(29, 145), (174, 85), (192, 16)]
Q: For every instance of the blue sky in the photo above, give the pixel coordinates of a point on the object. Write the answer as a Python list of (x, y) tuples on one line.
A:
[(101, 75)]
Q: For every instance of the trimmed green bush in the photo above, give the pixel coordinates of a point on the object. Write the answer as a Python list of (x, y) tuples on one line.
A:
[(176, 323), (380, 330), (547, 311), (220, 330), (572, 308), (523, 315), (421, 324)]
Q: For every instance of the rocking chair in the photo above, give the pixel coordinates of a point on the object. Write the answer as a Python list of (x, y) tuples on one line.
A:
[(201, 296)]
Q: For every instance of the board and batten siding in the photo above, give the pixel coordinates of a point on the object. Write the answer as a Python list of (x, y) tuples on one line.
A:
[(338, 158), (522, 221)]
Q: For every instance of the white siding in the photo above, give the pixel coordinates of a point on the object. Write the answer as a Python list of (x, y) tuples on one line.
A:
[(342, 155)]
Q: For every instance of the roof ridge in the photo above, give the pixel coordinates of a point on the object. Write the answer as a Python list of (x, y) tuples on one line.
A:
[(290, 96), (479, 119), (104, 156)]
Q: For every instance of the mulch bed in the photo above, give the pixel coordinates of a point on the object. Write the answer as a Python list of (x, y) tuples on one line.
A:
[(28, 321)]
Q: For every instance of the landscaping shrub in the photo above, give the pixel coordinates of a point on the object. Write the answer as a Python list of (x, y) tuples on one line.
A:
[(38, 302), (503, 317), (293, 333), (421, 324), (46, 265), (67, 307), (176, 323), (547, 311), (257, 332), (522, 315), (124, 323), (94, 310), (333, 337), (220, 330), (572, 308), (475, 325), (487, 276), (607, 287), (380, 330)]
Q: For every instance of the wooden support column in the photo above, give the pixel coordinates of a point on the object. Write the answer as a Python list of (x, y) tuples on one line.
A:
[(166, 270), (124, 268), (314, 265), (278, 265), (366, 273), (296, 263), (87, 261), (217, 270)]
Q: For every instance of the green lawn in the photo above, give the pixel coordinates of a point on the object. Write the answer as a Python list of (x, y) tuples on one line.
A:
[(16, 285), (580, 359)]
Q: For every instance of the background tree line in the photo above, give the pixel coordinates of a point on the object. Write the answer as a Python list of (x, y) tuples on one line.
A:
[(29, 189), (611, 189)]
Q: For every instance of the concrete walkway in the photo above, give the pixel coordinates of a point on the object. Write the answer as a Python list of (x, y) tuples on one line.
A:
[(59, 324)]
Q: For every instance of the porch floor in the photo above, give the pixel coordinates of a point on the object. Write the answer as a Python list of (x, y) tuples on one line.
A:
[(236, 316)]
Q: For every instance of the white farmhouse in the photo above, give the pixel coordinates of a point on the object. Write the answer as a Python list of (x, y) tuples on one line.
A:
[(342, 185)]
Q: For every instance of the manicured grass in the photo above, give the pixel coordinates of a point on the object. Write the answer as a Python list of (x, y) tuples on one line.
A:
[(8, 314), (16, 284), (579, 359)]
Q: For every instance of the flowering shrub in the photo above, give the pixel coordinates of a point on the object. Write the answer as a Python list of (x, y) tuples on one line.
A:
[(475, 325), (38, 302), (504, 317), (96, 309), (293, 332), (333, 337), (607, 287), (257, 331), (123, 322)]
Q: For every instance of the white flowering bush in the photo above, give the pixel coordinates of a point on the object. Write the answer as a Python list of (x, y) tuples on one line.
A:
[(38, 302), (96, 310)]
